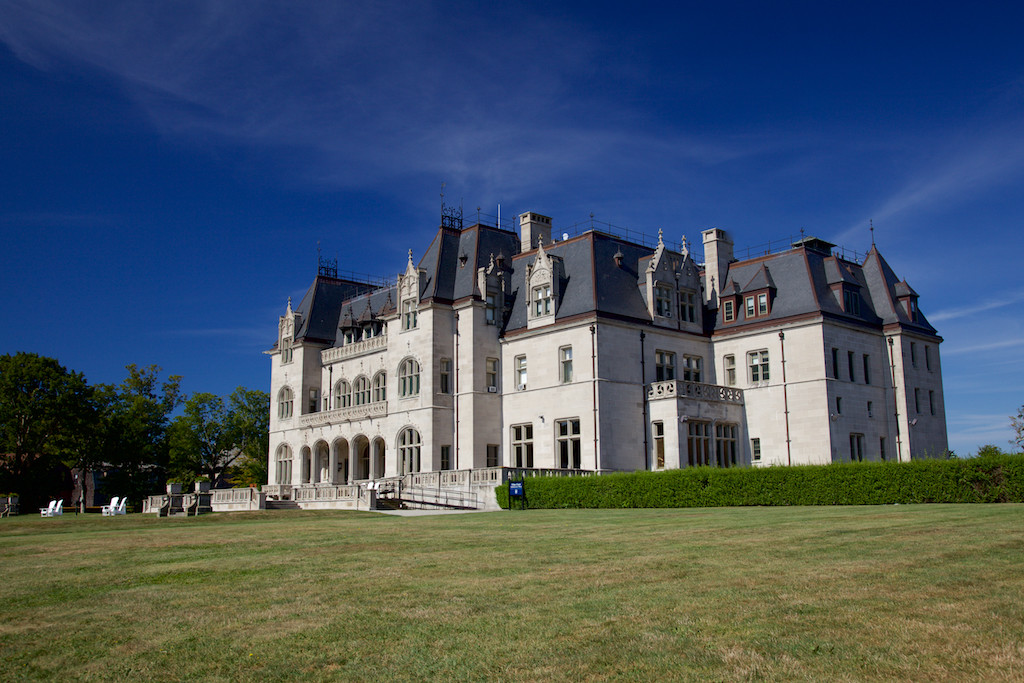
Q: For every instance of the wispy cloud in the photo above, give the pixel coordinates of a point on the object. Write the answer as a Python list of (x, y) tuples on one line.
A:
[(990, 346), (964, 311), (974, 163)]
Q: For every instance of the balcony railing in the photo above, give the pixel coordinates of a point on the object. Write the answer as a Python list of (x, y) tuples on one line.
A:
[(337, 353), (696, 391), (360, 412)]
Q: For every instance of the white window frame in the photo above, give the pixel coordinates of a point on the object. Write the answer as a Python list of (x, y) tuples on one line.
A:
[(521, 374), (409, 315), (409, 378), (522, 445), (565, 365), (758, 366), (664, 365), (568, 445), (663, 301), (729, 368)]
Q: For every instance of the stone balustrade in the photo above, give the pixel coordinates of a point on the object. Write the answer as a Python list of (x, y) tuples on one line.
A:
[(694, 390), (338, 415), (333, 355)]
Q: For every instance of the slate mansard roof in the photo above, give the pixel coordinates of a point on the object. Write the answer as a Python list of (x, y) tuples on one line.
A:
[(604, 275)]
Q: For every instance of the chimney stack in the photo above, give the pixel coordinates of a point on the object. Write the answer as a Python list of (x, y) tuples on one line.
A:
[(717, 257), (532, 228)]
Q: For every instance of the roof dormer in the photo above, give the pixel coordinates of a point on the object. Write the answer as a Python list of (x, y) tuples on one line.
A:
[(544, 280)]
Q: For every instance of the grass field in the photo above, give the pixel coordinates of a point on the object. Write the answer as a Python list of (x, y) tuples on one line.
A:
[(840, 593)]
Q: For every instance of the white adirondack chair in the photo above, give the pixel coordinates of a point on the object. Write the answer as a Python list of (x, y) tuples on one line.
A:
[(59, 510), (108, 510), (48, 511), (121, 507)]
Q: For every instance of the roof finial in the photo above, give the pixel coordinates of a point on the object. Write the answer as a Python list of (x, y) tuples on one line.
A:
[(871, 221), (661, 242), (686, 247)]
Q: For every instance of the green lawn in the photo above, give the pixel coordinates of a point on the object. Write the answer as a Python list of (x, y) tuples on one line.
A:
[(838, 593)]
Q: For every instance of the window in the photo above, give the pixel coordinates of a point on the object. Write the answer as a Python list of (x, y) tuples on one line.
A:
[(350, 337), (446, 457), (664, 366), (491, 309), (729, 365), (692, 368), (491, 374), (698, 442), (931, 401), (881, 448), (408, 315), (725, 444), (380, 387), (492, 454), (522, 445), (688, 307), (849, 365), (856, 447), (835, 363), (369, 332), (757, 361), (284, 464), (361, 391), (867, 369), (314, 402), (728, 311), (663, 301), (408, 451), (762, 304), (917, 401), (342, 394), (568, 442), (869, 410), (659, 444), (445, 368), (408, 378), (755, 449), (542, 300), (851, 302), (520, 372), (750, 306), (286, 351), (913, 354), (927, 357), (839, 405), (565, 363), (284, 403)]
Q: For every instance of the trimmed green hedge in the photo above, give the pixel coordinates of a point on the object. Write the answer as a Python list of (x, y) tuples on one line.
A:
[(994, 479)]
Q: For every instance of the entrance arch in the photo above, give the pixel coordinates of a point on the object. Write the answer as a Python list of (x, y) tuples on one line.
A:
[(361, 457), (321, 457), (377, 469), (342, 468), (305, 457)]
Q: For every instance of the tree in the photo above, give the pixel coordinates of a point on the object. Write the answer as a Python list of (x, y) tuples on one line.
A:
[(250, 428), (45, 413), (222, 439), (135, 416), (1017, 422)]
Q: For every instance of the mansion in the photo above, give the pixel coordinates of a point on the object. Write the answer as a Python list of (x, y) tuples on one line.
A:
[(502, 350)]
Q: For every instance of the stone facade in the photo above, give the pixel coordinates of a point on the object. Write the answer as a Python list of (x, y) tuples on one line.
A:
[(595, 353)]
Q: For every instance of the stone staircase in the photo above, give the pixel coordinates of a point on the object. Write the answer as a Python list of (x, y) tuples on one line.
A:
[(282, 505)]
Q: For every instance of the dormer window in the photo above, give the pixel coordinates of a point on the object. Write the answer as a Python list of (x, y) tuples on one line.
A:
[(286, 351), (542, 300), (762, 303), (728, 310), (851, 302), (750, 307), (491, 309), (687, 306), (409, 315), (663, 301)]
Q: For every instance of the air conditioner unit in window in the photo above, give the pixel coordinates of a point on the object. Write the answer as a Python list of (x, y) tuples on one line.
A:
[(521, 387), (492, 390)]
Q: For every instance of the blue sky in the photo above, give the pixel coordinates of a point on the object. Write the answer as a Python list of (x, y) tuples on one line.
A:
[(168, 169)]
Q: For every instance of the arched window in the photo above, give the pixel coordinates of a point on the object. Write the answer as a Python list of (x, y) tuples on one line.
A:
[(380, 387), (408, 378), (284, 403), (409, 450), (283, 468), (362, 391), (342, 394)]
